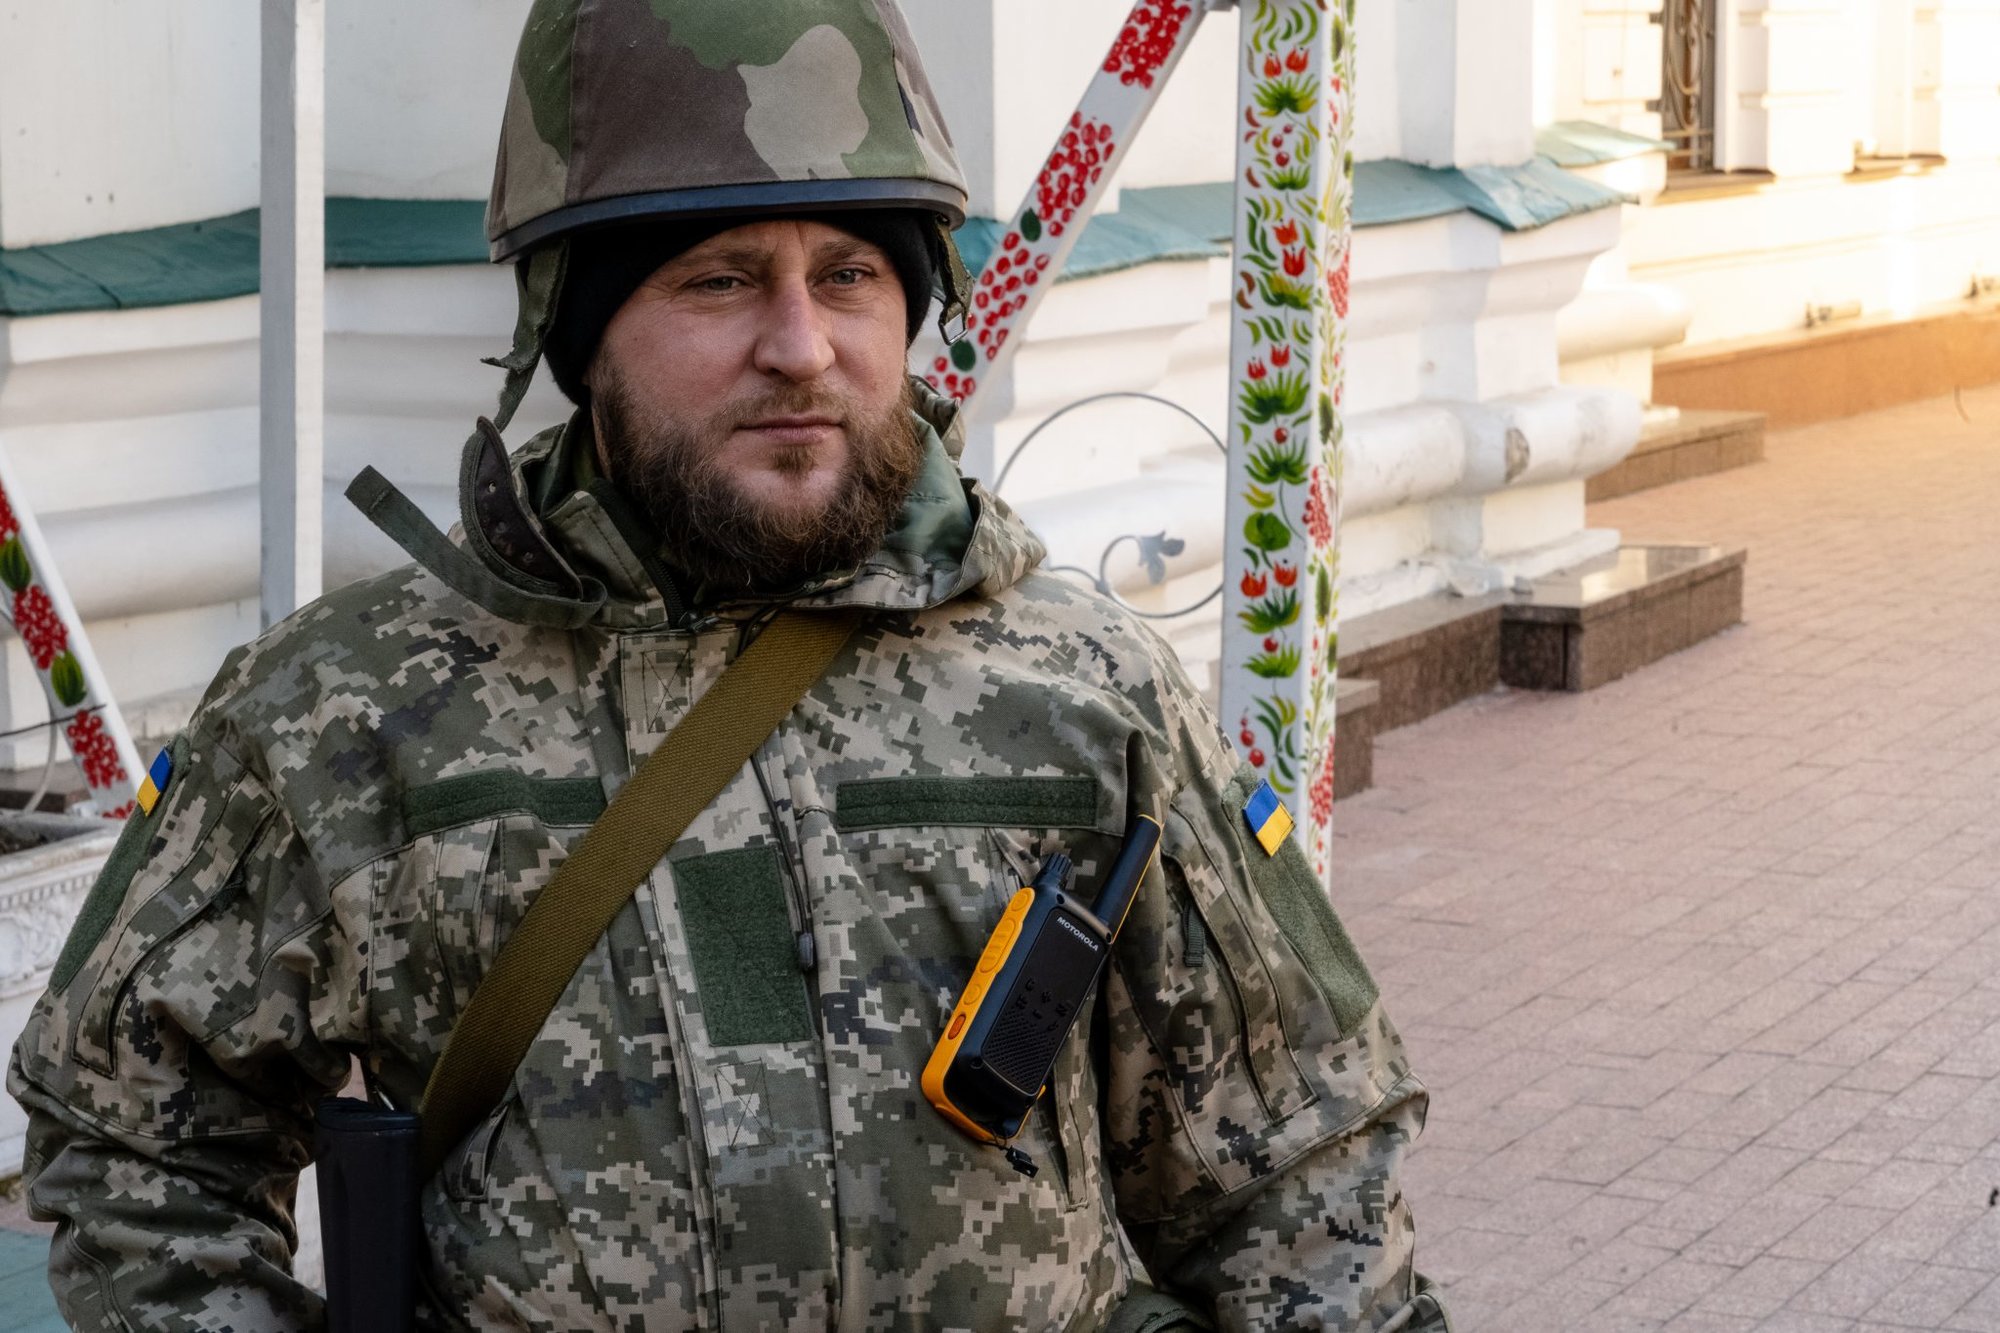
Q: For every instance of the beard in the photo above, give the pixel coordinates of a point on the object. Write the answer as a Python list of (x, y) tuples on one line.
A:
[(728, 540)]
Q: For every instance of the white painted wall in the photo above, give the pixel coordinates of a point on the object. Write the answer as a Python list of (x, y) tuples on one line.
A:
[(1004, 126), (1749, 264), (1598, 60), (117, 115), (1794, 98), (122, 114), (414, 94), (1464, 81)]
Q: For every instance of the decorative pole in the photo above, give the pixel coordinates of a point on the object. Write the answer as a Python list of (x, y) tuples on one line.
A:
[(1043, 230), (1294, 184), (37, 605)]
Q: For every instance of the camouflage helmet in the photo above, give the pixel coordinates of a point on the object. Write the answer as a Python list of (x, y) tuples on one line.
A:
[(627, 109), (624, 110)]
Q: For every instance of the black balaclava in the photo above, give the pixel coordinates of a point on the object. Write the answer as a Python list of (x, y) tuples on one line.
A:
[(607, 266)]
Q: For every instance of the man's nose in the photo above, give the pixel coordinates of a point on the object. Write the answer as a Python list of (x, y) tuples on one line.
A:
[(793, 341)]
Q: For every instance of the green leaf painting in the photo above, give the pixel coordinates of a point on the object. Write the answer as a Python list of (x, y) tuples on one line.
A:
[(1275, 666), (1293, 96), (1272, 463), (1282, 291), (1280, 395), (1274, 612), (66, 679), (1267, 532), (14, 570)]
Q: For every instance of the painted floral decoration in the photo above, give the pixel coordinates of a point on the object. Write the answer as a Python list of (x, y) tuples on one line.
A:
[(1290, 291), (1146, 40), (46, 638)]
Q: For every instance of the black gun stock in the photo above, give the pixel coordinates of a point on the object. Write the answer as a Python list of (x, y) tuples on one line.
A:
[(366, 1156)]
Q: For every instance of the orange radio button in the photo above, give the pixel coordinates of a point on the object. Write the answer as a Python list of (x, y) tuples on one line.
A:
[(996, 947), (957, 1025)]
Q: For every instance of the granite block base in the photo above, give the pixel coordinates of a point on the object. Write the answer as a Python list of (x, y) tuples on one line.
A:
[(1356, 703), (1585, 627), (1695, 444), (1425, 656)]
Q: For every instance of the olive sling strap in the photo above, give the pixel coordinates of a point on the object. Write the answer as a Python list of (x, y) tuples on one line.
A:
[(676, 783)]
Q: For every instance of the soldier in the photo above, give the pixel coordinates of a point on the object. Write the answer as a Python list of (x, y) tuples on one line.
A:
[(727, 221)]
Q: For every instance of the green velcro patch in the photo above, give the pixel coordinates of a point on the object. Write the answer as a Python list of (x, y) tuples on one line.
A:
[(872, 803), (1292, 893), (740, 938), (107, 895), (474, 796)]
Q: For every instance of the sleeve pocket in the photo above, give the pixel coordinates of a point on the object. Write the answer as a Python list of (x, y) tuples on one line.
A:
[(186, 854)]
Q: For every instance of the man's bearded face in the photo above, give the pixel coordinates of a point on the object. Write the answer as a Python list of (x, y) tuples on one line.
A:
[(751, 397)]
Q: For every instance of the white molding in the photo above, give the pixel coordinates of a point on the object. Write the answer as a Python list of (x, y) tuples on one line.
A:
[(41, 890)]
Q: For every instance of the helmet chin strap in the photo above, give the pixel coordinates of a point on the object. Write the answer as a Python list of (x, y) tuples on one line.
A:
[(538, 281), (954, 280)]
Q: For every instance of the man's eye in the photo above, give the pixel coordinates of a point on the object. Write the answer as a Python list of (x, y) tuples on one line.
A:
[(847, 277), (719, 283)]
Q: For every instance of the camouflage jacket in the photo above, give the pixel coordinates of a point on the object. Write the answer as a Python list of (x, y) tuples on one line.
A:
[(721, 1125)]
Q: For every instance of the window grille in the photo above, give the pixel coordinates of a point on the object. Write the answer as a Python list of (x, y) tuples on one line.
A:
[(1687, 83)]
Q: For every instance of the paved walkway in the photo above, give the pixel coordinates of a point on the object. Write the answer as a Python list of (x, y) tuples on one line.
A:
[(1703, 968)]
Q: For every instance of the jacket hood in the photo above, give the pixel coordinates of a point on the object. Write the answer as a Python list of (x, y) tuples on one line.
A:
[(533, 547)]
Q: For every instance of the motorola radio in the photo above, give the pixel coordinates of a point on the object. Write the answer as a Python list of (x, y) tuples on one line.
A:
[(1032, 981)]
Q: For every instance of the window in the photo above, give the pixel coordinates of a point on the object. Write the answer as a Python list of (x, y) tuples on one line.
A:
[(1687, 83)]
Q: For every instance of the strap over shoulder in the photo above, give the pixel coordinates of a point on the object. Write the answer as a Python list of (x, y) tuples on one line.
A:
[(679, 780)]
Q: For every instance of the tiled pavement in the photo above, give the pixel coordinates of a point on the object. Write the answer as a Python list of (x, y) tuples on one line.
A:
[(1703, 968), (25, 1303)]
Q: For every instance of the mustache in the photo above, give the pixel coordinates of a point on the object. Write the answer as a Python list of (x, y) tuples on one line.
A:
[(791, 400)]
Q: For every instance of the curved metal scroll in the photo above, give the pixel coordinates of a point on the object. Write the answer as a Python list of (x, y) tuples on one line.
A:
[(1154, 548)]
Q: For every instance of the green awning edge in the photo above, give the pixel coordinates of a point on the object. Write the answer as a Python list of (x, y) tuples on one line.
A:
[(1585, 143), (216, 258)]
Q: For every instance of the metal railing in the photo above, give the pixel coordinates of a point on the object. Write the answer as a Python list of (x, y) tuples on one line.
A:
[(1687, 83)]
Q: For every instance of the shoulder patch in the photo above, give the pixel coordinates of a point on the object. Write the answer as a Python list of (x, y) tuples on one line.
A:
[(106, 896), (157, 777), (1270, 823)]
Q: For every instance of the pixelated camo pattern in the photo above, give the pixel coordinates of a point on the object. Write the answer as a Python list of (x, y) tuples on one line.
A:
[(370, 801)]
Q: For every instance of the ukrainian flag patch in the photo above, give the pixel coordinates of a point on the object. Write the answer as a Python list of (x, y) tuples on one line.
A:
[(156, 781), (1268, 819)]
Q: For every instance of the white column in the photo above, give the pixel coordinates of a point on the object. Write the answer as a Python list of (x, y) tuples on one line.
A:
[(1466, 81), (1955, 110), (1786, 87), (292, 345)]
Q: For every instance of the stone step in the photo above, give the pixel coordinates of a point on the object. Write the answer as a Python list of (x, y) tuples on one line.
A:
[(1354, 720), (1581, 628), (1575, 629), (1694, 443), (1425, 655)]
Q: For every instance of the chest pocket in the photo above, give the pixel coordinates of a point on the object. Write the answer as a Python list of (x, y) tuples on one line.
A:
[(483, 845), (943, 856)]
